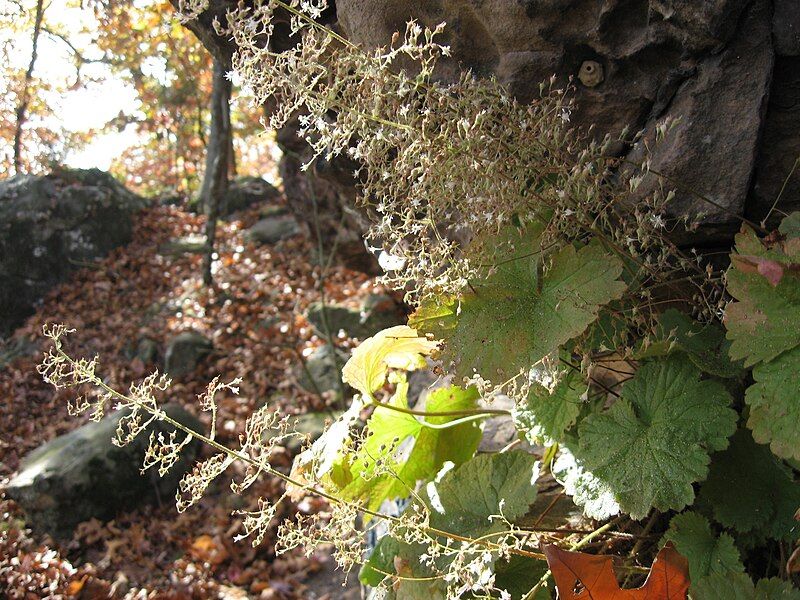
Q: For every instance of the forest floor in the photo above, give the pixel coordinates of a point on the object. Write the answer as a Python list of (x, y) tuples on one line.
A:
[(253, 314)]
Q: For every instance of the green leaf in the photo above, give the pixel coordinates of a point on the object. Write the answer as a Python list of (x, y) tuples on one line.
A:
[(653, 443), (545, 416), (519, 575), (707, 554), (776, 589), (738, 586), (763, 323), (389, 434), (486, 485), (590, 493), (462, 503), (774, 406), (704, 344), (517, 316), (749, 490), (790, 226)]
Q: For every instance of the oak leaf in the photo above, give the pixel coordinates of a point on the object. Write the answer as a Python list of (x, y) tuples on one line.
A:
[(580, 576)]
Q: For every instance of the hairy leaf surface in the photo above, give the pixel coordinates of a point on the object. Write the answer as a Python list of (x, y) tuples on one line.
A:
[(763, 322), (704, 344), (516, 316), (790, 226), (519, 575), (654, 442), (546, 416), (707, 553), (590, 493), (738, 586), (461, 502), (774, 402), (749, 490)]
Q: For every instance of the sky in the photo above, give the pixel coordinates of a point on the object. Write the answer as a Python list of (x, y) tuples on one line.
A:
[(85, 108)]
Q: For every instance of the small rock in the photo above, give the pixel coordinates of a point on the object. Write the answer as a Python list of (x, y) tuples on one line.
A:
[(82, 475), (184, 352), (14, 348), (322, 371), (333, 318), (147, 351), (174, 199), (191, 244), (245, 192), (273, 229), (377, 312)]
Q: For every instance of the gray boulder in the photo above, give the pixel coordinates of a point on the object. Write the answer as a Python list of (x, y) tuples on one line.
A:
[(246, 192), (273, 229), (323, 370), (53, 224), (82, 475), (376, 312), (184, 352)]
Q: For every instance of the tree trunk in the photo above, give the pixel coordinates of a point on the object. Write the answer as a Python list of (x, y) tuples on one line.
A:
[(22, 107), (215, 181), (232, 166)]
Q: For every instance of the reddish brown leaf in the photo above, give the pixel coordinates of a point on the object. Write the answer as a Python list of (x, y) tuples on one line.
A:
[(771, 270), (582, 576)]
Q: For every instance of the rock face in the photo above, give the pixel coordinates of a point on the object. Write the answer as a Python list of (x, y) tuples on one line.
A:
[(53, 224), (82, 475), (184, 351), (721, 108), (726, 68), (777, 173)]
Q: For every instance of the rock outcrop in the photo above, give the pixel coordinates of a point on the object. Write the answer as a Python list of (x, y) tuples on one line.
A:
[(322, 370), (82, 475), (53, 224)]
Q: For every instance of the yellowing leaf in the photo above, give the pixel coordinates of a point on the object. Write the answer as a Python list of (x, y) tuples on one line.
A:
[(319, 459), (397, 347)]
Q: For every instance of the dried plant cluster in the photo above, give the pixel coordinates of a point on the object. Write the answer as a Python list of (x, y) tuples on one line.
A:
[(445, 167)]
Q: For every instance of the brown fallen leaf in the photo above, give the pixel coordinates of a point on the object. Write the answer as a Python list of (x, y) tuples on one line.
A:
[(582, 576), (208, 549)]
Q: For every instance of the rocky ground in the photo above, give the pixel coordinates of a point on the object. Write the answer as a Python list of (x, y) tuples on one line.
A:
[(131, 309)]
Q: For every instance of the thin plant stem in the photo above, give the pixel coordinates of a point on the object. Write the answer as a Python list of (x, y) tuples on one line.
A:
[(269, 470)]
